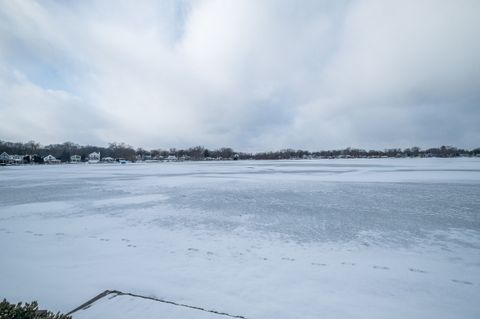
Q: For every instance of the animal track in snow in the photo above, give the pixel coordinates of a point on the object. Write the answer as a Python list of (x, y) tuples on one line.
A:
[(318, 264), (462, 282), (348, 263), (381, 267), (288, 259), (417, 270)]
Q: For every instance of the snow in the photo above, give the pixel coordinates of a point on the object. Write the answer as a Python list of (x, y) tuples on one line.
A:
[(370, 238), (119, 306)]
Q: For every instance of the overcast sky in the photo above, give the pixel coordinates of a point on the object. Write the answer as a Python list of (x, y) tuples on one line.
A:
[(253, 75)]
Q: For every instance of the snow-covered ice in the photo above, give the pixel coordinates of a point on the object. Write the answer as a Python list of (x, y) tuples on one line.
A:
[(371, 238)]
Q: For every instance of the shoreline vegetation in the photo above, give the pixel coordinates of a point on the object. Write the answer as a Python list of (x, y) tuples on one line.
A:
[(68, 152)]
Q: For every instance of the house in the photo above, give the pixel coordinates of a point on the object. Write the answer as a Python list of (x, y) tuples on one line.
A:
[(4, 158), (171, 158), (108, 159), (75, 159), (49, 159), (16, 159), (28, 158), (94, 157)]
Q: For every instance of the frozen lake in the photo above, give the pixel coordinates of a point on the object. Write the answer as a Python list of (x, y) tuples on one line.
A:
[(372, 238)]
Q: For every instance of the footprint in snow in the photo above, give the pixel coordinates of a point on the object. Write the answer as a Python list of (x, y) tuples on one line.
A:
[(29, 231), (60, 234), (126, 240), (209, 253), (104, 239), (318, 264), (288, 259), (417, 270), (381, 267), (192, 249), (133, 246), (348, 263), (462, 282), (38, 235)]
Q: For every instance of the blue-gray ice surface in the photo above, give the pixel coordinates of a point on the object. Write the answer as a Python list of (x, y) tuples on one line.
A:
[(371, 238)]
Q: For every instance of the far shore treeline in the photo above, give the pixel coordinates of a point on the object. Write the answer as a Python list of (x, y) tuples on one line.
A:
[(35, 152)]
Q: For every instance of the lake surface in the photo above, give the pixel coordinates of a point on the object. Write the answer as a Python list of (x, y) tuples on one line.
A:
[(356, 238)]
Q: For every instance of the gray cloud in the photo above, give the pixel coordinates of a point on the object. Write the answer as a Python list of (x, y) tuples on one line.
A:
[(249, 74)]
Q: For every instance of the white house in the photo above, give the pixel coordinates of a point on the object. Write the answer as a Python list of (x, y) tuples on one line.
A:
[(75, 158), (17, 159), (94, 157), (171, 158), (108, 159), (49, 159)]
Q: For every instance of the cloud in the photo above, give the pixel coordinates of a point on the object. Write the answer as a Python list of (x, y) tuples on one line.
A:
[(249, 74), (29, 110)]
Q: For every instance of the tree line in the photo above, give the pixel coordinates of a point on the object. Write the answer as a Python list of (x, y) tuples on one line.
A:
[(121, 150)]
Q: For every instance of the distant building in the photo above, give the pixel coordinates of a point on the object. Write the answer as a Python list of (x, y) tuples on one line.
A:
[(75, 158), (94, 157), (108, 159), (50, 159), (16, 159), (171, 158), (4, 158)]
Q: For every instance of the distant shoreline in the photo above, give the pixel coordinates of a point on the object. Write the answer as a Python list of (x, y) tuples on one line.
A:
[(32, 152), (101, 163)]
